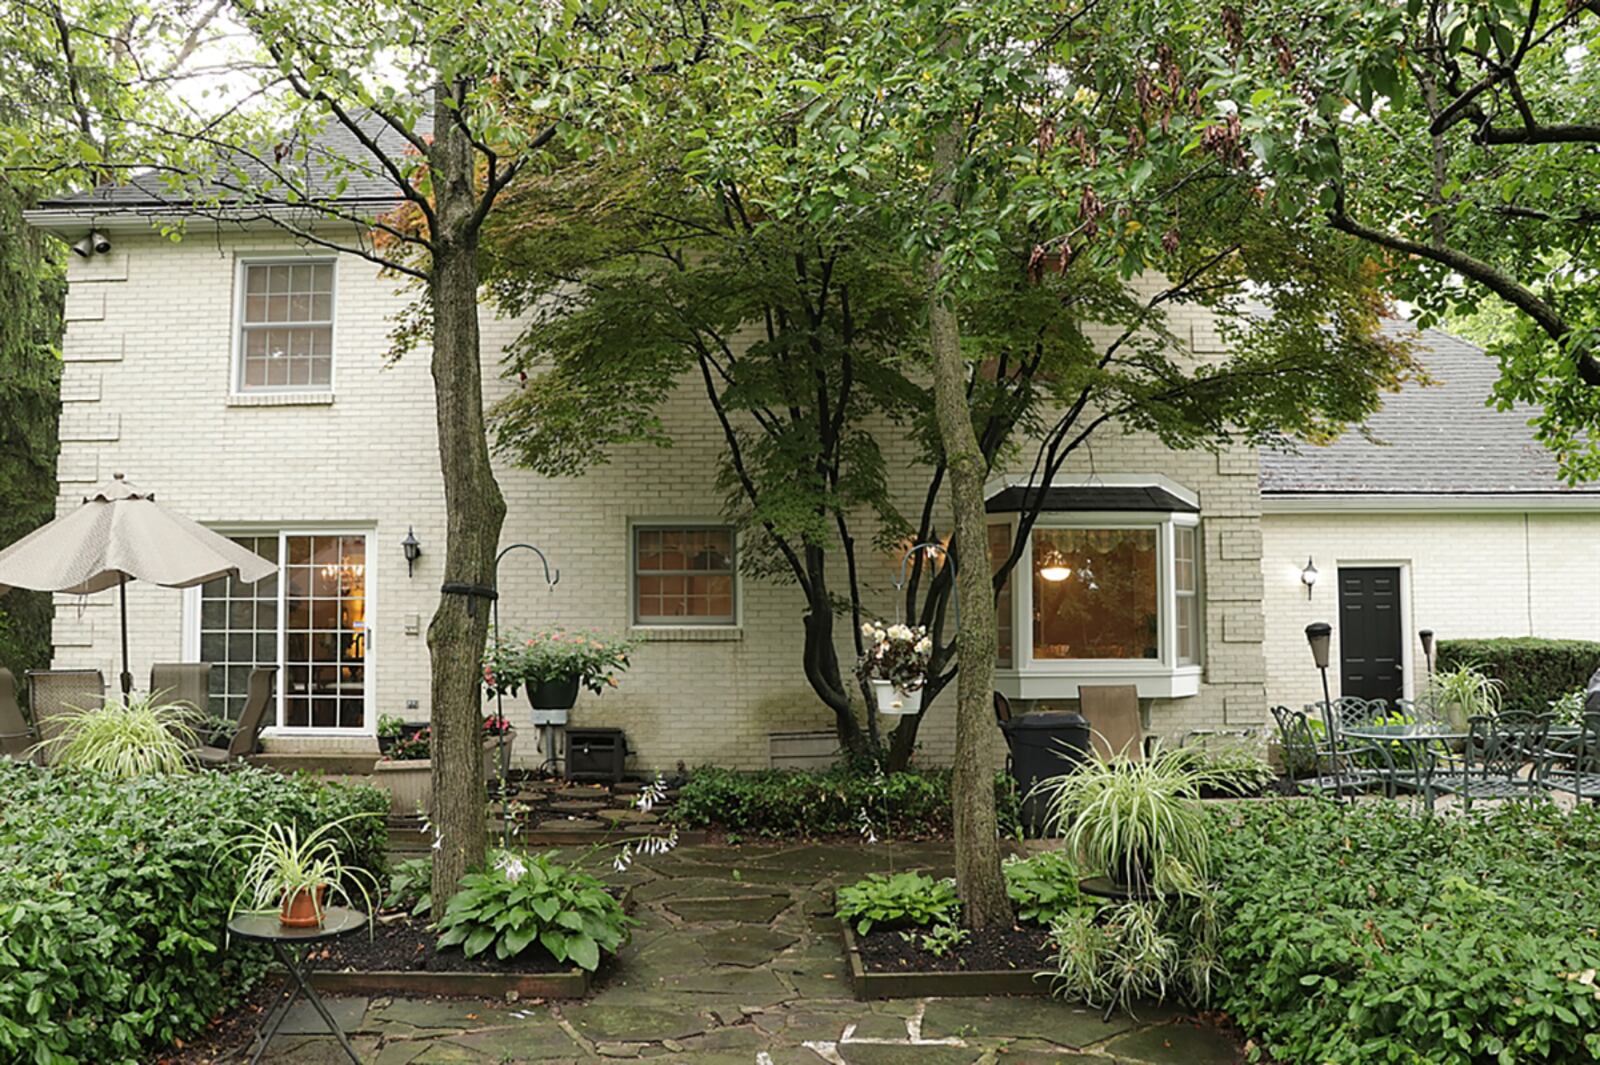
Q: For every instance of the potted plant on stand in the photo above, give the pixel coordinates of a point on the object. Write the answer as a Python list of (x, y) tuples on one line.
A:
[(295, 875), (552, 665), (1463, 693), (895, 665)]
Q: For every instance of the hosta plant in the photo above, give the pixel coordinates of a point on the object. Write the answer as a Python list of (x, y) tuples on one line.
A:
[(522, 901), (140, 739), (1044, 886), (898, 900)]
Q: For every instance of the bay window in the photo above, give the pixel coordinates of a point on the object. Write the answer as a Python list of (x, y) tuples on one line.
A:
[(1106, 591)]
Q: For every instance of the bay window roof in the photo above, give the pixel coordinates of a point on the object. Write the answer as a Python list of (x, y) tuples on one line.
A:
[(1099, 497)]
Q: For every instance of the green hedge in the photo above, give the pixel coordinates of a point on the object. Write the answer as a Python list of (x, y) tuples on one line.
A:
[(787, 802), (1352, 935), (1534, 671), (113, 902)]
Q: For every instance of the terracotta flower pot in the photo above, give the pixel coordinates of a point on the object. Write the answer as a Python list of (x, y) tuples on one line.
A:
[(303, 909)]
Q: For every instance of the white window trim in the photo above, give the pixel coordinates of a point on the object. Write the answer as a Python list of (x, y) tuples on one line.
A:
[(238, 395), (1161, 677), (275, 727), (689, 631)]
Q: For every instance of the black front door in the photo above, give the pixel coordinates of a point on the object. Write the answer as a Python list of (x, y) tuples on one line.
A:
[(1370, 663)]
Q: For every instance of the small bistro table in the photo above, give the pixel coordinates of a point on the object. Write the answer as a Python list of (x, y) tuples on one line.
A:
[(1416, 737), (287, 944)]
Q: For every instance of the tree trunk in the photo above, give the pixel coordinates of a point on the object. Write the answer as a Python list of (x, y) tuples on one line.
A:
[(979, 880), (474, 513), (821, 655)]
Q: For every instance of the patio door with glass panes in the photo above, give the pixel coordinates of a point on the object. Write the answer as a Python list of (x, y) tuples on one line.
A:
[(311, 620)]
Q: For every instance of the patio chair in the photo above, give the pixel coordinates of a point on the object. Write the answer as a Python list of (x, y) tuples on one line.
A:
[(185, 685), (1492, 762), (258, 700), (1572, 765), (1351, 711), (16, 735), (1329, 765), (1112, 711), (53, 692)]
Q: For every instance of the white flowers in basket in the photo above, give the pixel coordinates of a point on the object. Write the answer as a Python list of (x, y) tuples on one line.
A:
[(896, 663)]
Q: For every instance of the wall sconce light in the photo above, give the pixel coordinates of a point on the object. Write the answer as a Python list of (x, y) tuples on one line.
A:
[(1308, 576), (412, 547)]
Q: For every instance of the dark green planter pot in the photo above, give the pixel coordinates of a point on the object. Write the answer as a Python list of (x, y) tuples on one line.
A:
[(554, 694)]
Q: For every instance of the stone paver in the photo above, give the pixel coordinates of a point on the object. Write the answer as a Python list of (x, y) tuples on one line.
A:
[(737, 960)]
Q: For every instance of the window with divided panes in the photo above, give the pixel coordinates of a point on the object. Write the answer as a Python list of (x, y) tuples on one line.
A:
[(286, 327), (683, 575)]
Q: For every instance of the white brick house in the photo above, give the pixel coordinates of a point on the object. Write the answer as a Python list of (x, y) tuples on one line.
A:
[(326, 456), (1451, 518)]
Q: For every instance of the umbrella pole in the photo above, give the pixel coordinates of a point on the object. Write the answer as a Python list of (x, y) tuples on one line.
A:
[(127, 677)]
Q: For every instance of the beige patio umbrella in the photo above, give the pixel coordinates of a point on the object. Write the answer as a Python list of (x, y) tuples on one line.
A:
[(121, 534)]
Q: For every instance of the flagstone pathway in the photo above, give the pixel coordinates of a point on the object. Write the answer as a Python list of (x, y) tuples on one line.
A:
[(738, 961)]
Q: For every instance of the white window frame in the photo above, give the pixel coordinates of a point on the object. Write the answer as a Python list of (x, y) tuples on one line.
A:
[(690, 626), (275, 726), (242, 264), (1059, 678)]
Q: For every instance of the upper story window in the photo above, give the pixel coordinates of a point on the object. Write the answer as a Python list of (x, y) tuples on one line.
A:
[(286, 326), (684, 575)]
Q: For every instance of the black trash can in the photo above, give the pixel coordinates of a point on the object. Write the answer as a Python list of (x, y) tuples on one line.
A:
[(1043, 745)]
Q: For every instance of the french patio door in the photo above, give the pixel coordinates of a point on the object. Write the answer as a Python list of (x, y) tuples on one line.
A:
[(312, 620)]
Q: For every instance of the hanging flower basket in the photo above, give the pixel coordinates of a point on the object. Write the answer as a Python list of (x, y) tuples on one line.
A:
[(894, 702), (552, 665), (896, 664), (560, 693)]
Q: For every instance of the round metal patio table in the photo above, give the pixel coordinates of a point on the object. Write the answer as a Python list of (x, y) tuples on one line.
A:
[(292, 946), (1415, 737)]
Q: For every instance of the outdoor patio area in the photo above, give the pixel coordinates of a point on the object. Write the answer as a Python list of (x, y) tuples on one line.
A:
[(739, 959)]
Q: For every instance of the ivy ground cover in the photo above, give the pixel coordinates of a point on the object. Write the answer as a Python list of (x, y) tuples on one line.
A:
[(1366, 934), (114, 899)]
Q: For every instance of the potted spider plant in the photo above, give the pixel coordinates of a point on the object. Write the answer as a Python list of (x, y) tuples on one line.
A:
[(1142, 823), (294, 874), (1463, 693), (895, 666)]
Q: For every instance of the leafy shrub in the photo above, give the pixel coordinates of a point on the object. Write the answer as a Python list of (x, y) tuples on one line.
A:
[(898, 900), (1357, 934), (1044, 886), (1534, 671), (786, 802), (114, 901), (523, 900)]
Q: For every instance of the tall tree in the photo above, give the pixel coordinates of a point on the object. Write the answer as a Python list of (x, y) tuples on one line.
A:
[(1071, 174), (386, 131), (1459, 142), (31, 290)]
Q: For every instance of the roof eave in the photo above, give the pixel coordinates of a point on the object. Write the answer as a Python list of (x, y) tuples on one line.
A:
[(1306, 502)]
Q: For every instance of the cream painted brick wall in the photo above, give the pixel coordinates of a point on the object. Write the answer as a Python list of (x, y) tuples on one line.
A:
[(1465, 575), (155, 368)]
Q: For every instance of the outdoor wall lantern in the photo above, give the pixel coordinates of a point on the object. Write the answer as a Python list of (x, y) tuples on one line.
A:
[(1308, 576), (412, 547)]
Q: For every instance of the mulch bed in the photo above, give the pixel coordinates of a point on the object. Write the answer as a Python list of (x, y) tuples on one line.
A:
[(1025, 948), (408, 945), (226, 1034)]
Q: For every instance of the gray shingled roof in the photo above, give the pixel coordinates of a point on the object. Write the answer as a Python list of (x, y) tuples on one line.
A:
[(334, 152), (1439, 439)]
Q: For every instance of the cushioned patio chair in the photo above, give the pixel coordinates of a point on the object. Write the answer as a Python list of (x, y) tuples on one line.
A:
[(1112, 711), (16, 735), (53, 692), (258, 700)]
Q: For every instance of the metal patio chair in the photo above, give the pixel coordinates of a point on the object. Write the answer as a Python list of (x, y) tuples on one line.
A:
[(1351, 711), (1328, 764), (1572, 765), (1492, 761)]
